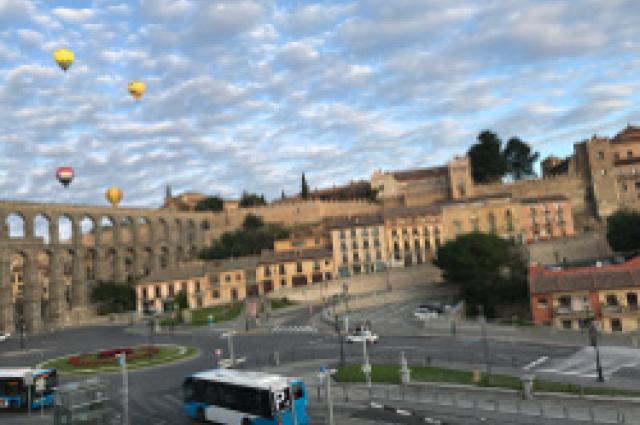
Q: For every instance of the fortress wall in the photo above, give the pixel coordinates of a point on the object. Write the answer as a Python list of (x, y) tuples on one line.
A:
[(572, 187)]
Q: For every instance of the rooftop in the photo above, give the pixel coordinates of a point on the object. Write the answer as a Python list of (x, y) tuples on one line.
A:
[(420, 173), (593, 277), (245, 378), (268, 256), (631, 134)]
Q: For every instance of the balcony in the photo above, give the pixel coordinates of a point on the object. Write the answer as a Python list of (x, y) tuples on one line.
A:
[(632, 309), (574, 312)]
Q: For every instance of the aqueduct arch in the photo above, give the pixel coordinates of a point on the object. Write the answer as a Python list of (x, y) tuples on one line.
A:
[(65, 249)]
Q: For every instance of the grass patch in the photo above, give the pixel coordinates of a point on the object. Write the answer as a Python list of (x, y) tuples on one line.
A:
[(277, 303), (220, 313), (167, 354), (390, 374)]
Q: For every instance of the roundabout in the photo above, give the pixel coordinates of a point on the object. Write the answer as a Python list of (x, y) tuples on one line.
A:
[(107, 360)]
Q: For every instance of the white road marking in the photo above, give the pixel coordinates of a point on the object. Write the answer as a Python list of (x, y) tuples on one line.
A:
[(536, 363)]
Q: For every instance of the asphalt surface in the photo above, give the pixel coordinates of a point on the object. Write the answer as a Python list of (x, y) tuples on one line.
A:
[(155, 394)]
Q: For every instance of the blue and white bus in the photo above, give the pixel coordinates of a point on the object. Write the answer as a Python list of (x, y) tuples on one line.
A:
[(14, 393), (235, 397)]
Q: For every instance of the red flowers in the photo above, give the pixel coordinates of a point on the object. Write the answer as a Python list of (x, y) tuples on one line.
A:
[(108, 357)]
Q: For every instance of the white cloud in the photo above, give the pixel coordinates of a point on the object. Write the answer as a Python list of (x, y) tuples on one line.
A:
[(75, 16)]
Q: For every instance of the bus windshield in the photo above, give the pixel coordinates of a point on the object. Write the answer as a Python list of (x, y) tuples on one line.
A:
[(10, 387)]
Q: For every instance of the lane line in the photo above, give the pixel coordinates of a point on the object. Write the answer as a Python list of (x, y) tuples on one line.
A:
[(536, 362)]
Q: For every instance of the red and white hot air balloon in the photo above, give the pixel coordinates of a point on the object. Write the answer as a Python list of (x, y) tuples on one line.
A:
[(64, 175)]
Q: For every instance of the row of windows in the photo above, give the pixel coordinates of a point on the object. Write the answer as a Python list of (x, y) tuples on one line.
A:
[(356, 257), (282, 269), (172, 290), (564, 301), (491, 220), (415, 231), (355, 245), (364, 232)]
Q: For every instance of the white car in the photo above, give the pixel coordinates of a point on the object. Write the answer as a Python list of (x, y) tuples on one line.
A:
[(4, 336), (360, 336)]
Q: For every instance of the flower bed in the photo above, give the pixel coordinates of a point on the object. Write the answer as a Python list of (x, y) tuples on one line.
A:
[(108, 357)]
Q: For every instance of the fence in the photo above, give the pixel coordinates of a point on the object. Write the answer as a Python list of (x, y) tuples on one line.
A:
[(480, 403)]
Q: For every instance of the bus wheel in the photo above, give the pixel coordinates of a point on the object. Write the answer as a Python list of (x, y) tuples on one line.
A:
[(246, 421), (200, 416)]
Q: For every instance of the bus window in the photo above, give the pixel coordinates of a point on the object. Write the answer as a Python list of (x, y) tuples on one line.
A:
[(10, 387), (298, 392)]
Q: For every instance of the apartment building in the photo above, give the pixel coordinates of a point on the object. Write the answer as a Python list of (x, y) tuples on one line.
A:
[(359, 245), (573, 297), (293, 268), (413, 235)]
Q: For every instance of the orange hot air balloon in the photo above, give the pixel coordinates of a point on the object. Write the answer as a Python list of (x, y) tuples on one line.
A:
[(136, 89), (114, 196)]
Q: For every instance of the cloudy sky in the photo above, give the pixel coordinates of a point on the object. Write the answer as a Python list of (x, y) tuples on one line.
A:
[(248, 94)]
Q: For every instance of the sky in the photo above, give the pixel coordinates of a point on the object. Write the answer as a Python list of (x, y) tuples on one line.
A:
[(247, 95)]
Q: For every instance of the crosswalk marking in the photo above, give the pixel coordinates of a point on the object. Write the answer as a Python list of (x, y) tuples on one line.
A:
[(306, 328), (536, 363), (582, 363)]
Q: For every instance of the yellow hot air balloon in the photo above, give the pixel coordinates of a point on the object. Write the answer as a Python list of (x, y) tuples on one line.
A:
[(64, 58), (136, 89), (113, 195)]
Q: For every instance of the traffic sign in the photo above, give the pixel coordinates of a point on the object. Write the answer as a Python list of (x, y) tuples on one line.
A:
[(28, 378), (218, 352), (366, 368)]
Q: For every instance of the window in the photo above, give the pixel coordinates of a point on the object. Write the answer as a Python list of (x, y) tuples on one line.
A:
[(547, 214), (367, 257), (564, 301), (600, 155), (299, 267), (353, 233), (345, 258), (145, 293), (238, 277), (267, 272), (407, 247), (184, 286), (532, 214), (375, 232), (566, 324), (197, 286), (616, 325), (281, 269), (343, 246), (492, 222), (617, 156), (364, 232), (341, 234), (560, 213), (326, 262), (475, 224), (365, 244), (227, 277), (376, 242), (427, 243), (625, 188), (509, 219), (414, 231), (542, 303), (416, 245), (612, 299), (394, 233), (171, 291), (629, 154), (354, 245), (316, 265), (632, 300), (158, 292), (283, 282), (215, 293), (356, 257), (378, 255), (457, 225)]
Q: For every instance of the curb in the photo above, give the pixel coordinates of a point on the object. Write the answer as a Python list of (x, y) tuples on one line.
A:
[(406, 412), (139, 366)]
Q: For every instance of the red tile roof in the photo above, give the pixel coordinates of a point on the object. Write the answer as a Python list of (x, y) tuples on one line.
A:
[(545, 280)]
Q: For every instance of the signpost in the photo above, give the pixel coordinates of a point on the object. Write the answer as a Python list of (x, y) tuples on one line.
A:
[(28, 381), (229, 336), (325, 375), (122, 357)]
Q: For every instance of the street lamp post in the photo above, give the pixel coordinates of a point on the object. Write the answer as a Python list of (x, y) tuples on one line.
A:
[(593, 336)]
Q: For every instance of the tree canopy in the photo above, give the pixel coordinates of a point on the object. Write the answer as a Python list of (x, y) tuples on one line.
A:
[(252, 200), (114, 297), (253, 237), (520, 159), (487, 268), (304, 188), (210, 203), (489, 162), (623, 231)]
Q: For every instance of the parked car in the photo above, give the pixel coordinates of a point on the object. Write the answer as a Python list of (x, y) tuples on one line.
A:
[(4, 336), (429, 311)]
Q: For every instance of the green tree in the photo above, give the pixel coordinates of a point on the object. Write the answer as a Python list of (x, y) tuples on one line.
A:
[(623, 230), (304, 188), (520, 159), (210, 203), (487, 161), (252, 200), (488, 270), (251, 239), (182, 300), (114, 297)]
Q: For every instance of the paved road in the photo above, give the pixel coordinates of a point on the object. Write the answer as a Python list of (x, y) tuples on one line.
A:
[(155, 396)]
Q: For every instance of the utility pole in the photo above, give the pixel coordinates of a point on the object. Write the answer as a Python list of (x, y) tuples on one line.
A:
[(593, 335), (325, 375), (366, 366), (125, 388)]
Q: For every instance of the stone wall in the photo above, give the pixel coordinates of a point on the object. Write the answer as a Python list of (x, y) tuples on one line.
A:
[(400, 278), (573, 188), (586, 246)]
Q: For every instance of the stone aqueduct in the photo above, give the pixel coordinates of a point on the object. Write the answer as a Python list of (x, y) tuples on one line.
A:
[(104, 244)]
